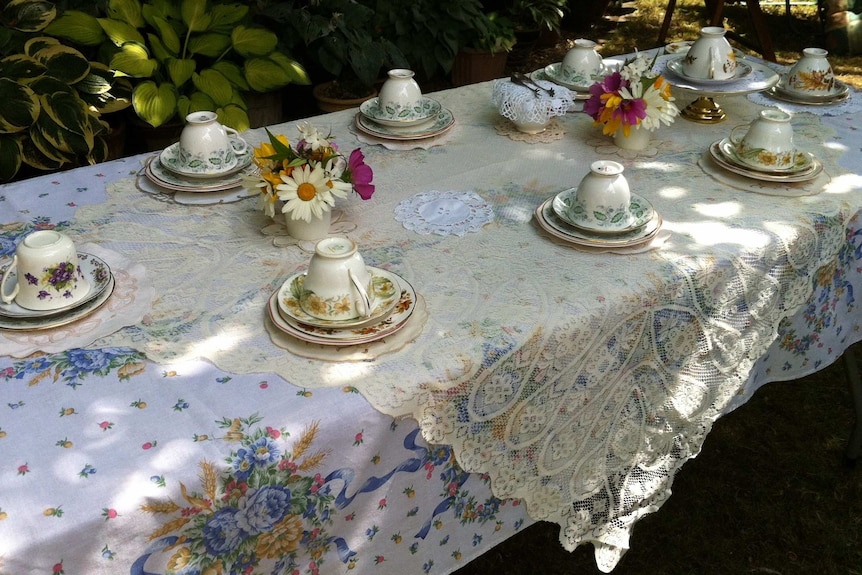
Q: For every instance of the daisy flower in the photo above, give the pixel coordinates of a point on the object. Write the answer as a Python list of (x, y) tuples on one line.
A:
[(305, 193)]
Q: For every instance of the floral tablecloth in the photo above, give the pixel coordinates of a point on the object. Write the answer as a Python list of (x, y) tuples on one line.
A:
[(573, 384)]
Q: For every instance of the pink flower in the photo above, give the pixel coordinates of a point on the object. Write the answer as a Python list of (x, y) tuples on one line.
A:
[(360, 174), (274, 433)]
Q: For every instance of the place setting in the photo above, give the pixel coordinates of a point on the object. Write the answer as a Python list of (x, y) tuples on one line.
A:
[(580, 68), (401, 117), (809, 83), (340, 309), (601, 214), (205, 166)]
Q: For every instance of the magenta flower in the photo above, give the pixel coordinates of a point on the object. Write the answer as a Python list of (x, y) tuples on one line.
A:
[(361, 174)]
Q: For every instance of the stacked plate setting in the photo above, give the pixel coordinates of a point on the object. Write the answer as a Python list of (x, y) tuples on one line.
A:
[(805, 166), (837, 93), (16, 318), (170, 175), (426, 120), (393, 302), (560, 217)]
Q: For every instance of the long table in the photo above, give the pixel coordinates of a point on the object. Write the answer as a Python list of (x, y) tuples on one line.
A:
[(177, 431)]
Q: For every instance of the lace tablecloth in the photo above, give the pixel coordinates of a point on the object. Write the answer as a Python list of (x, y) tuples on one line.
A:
[(579, 382)]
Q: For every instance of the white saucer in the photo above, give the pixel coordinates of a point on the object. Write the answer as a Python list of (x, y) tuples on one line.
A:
[(802, 161), (425, 112), (66, 317), (169, 158), (743, 70), (350, 336), (440, 124), (839, 92), (162, 177), (385, 291), (719, 158), (98, 275), (548, 221), (553, 72), (566, 207)]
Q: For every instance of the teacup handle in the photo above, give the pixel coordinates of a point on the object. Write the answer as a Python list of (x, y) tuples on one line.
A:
[(714, 61), (735, 139), (239, 145), (9, 298), (363, 295)]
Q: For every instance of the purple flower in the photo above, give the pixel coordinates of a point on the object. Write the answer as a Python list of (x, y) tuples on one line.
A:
[(361, 174)]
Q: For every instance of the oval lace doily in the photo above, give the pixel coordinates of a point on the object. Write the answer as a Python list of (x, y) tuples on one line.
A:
[(444, 213)]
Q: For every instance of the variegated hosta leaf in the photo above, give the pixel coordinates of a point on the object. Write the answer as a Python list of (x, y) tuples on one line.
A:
[(232, 72), (214, 85), (21, 67), (11, 154), (294, 69), (154, 103), (134, 60), (69, 112), (100, 151), (128, 11), (180, 71), (264, 75), (64, 63), (210, 44), (79, 27), (195, 15), (235, 117), (28, 15), (103, 92), (120, 32), (20, 106), (33, 155), (33, 45), (253, 41), (48, 152), (75, 144)]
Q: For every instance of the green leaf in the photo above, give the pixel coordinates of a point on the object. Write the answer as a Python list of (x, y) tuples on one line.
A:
[(11, 153), (294, 69), (213, 84), (253, 41), (159, 50), (128, 11), (64, 63), (28, 15), (264, 75), (69, 112), (168, 35), (34, 148), (33, 45), (199, 102), (134, 60), (77, 26), (22, 67), (232, 72), (98, 81), (20, 107), (210, 44), (180, 71), (225, 16), (153, 103), (235, 117), (120, 32), (195, 15)]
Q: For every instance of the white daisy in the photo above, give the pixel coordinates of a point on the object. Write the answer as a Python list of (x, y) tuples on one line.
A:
[(312, 137), (306, 193)]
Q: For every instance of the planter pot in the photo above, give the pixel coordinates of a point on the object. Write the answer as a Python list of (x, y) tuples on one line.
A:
[(329, 101), (472, 66), (264, 109)]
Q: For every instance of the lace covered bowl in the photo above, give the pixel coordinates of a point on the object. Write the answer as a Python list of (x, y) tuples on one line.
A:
[(529, 108)]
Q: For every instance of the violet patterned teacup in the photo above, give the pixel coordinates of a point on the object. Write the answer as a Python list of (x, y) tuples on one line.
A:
[(48, 275)]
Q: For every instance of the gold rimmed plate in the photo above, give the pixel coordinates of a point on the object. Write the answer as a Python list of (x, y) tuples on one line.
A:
[(566, 207), (802, 161), (554, 225), (719, 158), (61, 319), (743, 71), (440, 124)]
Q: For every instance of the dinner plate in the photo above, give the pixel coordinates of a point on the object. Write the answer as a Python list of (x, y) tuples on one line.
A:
[(427, 110), (565, 206), (839, 92), (164, 178), (553, 72), (349, 336), (548, 220), (385, 291), (743, 71), (802, 161), (66, 317), (809, 174), (439, 125), (98, 274), (169, 158)]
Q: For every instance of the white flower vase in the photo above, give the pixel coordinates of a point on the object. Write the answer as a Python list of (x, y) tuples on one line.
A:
[(316, 229), (638, 138)]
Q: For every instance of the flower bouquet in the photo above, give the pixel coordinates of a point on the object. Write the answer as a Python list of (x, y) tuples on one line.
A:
[(309, 176), (633, 96)]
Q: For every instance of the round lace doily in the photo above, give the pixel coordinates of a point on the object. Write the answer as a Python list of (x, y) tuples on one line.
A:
[(444, 213), (552, 132)]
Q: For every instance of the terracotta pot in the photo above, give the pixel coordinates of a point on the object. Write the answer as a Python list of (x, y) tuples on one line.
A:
[(472, 66), (329, 103)]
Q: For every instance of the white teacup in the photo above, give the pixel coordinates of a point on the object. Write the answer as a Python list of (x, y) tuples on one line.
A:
[(604, 196), (399, 92), (811, 75), (767, 142), (206, 146), (710, 57), (48, 273), (582, 62), (337, 282)]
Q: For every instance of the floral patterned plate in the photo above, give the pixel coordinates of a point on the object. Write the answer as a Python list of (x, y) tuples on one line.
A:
[(66, 317), (743, 70), (548, 220), (554, 73), (719, 158), (839, 92), (385, 290), (426, 111), (439, 125), (540, 75), (802, 161), (94, 269), (162, 177), (352, 336), (169, 158), (566, 207)]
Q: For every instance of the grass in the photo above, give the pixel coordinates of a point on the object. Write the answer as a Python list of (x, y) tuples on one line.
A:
[(770, 493)]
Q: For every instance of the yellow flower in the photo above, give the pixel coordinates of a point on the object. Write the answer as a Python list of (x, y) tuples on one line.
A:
[(283, 538), (179, 559)]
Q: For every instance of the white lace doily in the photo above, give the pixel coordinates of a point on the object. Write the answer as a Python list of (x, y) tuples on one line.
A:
[(444, 213), (131, 299), (519, 104), (552, 132)]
